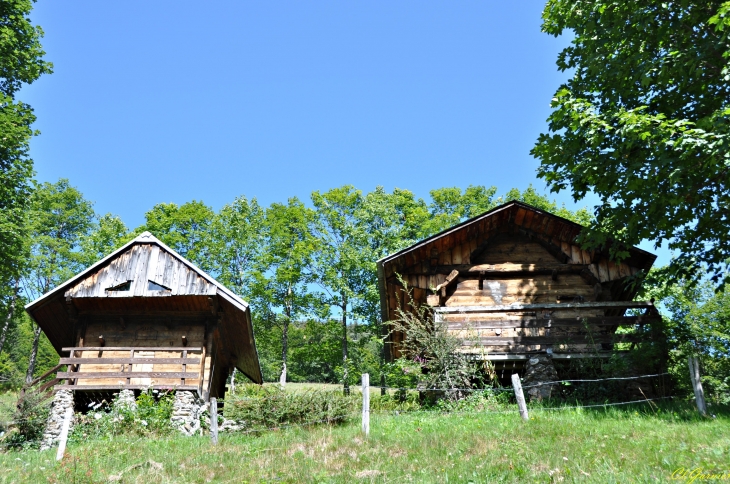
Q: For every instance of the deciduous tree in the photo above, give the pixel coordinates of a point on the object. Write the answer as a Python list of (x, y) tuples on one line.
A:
[(337, 265), (60, 219), (185, 228), (283, 283), (643, 123), (21, 63)]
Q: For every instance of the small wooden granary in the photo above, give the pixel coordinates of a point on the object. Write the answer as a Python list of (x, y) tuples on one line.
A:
[(146, 317), (512, 282)]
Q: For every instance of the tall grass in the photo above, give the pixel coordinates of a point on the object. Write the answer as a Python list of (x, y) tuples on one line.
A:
[(258, 408), (614, 445)]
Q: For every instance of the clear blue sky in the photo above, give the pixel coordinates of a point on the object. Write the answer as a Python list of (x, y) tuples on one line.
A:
[(173, 101)]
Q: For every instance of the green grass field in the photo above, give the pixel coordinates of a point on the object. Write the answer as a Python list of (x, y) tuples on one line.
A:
[(619, 445)]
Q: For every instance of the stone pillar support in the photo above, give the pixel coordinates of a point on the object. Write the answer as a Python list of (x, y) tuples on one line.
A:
[(186, 411), (125, 400), (539, 369), (62, 400)]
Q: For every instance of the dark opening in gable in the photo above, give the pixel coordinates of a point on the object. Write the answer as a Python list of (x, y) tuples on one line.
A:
[(125, 286), (153, 286)]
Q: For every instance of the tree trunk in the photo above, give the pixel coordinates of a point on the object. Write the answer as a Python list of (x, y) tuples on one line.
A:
[(9, 318), (285, 339), (33, 355), (345, 363), (284, 351)]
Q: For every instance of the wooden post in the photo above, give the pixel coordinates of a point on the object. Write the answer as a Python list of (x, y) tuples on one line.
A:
[(520, 396), (694, 375), (64, 433), (214, 420), (366, 404)]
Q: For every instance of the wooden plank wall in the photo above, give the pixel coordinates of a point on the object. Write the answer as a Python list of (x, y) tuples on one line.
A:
[(140, 264), (143, 332), (511, 236)]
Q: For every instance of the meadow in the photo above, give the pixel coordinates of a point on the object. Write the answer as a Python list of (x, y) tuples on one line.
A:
[(635, 443)]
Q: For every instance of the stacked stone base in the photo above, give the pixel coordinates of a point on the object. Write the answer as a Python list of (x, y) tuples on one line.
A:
[(186, 412), (539, 369), (63, 400), (125, 400)]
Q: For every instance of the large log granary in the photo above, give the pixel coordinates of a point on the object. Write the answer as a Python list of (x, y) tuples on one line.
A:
[(513, 283), (145, 317)]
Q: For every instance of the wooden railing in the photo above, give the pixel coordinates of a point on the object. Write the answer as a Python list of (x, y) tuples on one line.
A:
[(505, 308), (45, 388), (125, 364)]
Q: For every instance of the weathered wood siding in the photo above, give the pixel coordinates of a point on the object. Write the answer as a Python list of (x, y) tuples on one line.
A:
[(148, 331), (140, 265), (514, 254)]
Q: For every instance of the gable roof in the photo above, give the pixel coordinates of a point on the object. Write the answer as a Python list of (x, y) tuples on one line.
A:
[(144, 265), (143, 238), (514, 213), (455, 247)]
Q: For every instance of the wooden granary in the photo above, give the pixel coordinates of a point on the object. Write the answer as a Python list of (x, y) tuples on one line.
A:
[(512, 283), (146, 317)]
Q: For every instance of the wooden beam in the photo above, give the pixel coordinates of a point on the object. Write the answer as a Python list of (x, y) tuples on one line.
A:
[(553, 323), (449, 279), (125, 374), (112, 313), (526, 268), (73, 313), (527, 356), (556, 339), (52, 370), (555, 306), (124, 387), (128, 348), (441, 288), (213, 302), (501, 270), (129, 361)]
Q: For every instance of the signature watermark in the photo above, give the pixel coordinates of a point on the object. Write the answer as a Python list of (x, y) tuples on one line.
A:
[(699, 474)]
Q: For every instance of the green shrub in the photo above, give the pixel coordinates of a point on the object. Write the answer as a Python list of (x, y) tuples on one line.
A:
[(402, 401), (402, 374), (477, 401), (29, 421), (258, 407), (150, 418), (427, 342)]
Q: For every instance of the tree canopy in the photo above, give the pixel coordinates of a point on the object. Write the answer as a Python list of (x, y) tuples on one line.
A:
[(643, 123), (21, 62)]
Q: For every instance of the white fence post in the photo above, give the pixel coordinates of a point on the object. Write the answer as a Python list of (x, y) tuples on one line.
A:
[(214, 420), (694, 375), (366, 404), (64, 433), (520, 396)]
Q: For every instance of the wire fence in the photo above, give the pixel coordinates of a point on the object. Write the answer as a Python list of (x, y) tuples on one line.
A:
[(493, 407), (510, 389)]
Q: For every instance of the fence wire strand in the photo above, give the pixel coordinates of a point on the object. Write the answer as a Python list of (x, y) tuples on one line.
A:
[(509, 389)]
